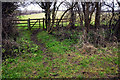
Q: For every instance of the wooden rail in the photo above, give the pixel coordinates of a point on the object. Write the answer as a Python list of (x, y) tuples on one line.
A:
[(30, 23)]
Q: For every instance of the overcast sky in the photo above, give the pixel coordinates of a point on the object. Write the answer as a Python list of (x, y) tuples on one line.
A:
[(62, 7), (38, 8)]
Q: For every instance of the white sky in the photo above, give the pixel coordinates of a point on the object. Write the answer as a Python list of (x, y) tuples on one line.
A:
[(62, 7), (31, 7), (38, 8)]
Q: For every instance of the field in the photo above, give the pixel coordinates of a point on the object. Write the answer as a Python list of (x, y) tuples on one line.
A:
[(39, 15), (43, 55)]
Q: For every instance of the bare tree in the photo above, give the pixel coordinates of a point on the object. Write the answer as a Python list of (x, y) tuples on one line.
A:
[(71, 13), (72, 22), (117, 25), (88, 9), (54, 13), (71, 7), (97, 15), (46, 6), (80, 13), (51, 9)]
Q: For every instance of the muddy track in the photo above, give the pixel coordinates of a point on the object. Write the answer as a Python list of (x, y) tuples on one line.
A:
[(38, 42), (41, 45)]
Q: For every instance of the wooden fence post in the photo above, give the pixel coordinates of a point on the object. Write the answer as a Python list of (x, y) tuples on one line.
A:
[(29, 27), (0, 39), (66, 22), (62, 23), (43, 24), (57, 22), (39, 23)]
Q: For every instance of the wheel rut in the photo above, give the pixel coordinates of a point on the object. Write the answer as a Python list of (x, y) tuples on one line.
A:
[(36, 41)]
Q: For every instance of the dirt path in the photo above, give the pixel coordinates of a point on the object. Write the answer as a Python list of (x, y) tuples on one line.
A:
[(41, 45), (38, 42)]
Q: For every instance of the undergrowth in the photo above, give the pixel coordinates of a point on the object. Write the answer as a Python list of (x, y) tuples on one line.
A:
[(65, 61)]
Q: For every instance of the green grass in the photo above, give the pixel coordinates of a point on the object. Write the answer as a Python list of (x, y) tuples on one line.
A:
[(15, 68), (61, 59), (52, 44), (33, 63)]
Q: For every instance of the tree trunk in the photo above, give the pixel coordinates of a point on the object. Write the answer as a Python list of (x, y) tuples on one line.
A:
[(88, 11), (48, 20), (66, 12), (97, 16), (117, 26), (46, 16), (53, 18), (80, 15), (87, 20), (72, 22), (117, 29)]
